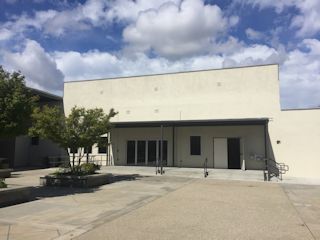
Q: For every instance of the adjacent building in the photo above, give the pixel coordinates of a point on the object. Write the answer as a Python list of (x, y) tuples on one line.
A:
[(25, 151), (230, 118)]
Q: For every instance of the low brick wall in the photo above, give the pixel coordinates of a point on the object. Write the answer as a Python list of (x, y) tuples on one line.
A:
[(5, 173), (14, 195), (77, 181)]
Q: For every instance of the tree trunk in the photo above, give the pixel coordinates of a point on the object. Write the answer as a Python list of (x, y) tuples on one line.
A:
[(87, 156), (73, 159)]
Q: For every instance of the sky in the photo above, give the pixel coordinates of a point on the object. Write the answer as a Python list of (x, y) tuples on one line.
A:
[(55, 41)]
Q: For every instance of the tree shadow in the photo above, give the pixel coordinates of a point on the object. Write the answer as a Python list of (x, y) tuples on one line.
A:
[(42, 192)]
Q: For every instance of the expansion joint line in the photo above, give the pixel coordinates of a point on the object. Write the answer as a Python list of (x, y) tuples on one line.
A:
[(8, 233), (298, 213)]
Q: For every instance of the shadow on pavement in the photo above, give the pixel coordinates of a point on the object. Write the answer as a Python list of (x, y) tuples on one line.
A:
[(47, 192)]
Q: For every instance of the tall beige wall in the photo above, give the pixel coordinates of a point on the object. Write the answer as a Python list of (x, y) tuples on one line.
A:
[(299, 134), (214, 94)]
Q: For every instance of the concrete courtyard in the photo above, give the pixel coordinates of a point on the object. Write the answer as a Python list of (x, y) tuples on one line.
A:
[(177, 205)]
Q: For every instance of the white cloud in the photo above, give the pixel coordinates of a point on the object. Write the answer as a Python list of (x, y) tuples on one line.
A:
[(174, 31), (300, 76), (254, 55), (57, 23), (5, 34), (83, 16), (128, 10), (253, 34), (37, 65), (307, 21)]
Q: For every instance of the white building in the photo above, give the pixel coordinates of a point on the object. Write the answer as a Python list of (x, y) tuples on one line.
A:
[(231, 117)]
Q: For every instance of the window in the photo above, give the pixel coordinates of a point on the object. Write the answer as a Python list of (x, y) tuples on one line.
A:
[(102, 146), (195, 145), (35, 141)]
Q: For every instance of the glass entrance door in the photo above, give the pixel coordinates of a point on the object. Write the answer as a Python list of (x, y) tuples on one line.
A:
[(131, 152), (143, 152), (152, 152)]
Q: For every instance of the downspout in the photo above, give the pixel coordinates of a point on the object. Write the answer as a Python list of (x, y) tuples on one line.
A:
[(266, 149), (173, 144)]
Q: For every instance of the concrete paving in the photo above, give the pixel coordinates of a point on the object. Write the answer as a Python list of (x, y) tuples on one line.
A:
[(230, 174), (165, 207)]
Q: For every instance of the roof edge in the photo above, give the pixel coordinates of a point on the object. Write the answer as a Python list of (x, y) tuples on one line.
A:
[(45, 94), (171, 73), (200, 122), (300, 109)]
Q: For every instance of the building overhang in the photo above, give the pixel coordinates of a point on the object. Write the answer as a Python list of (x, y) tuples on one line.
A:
[(189, 123)]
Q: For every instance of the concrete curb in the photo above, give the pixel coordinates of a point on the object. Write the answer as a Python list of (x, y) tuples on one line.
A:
[(76, 181), (14, 195)]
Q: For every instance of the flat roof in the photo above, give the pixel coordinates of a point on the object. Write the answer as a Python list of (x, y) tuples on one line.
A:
[(45, 95), (170, 73), (187, 123)]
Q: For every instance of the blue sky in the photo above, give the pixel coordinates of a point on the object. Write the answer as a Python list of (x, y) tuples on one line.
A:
[(55, 41)]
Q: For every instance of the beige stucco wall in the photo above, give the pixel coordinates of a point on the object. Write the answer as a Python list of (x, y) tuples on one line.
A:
[(299, 134), (215, 94)]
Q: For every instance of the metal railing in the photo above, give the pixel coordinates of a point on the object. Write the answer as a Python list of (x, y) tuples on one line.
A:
[(275, 169), (159, 167), (205, 168), (56, 161)]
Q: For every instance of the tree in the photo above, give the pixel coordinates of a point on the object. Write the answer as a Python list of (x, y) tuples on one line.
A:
[(16, 104), (81, 129), (94, 124)]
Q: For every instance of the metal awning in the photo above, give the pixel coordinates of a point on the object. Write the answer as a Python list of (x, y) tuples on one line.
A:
[(187, 123)]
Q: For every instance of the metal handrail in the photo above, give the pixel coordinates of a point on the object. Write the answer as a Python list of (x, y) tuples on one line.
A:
[(276, 169), (205, 168), (159, 167), (93, 158)]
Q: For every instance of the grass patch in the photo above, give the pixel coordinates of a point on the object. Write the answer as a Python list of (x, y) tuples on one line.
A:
[(3, 183), (81, 170)]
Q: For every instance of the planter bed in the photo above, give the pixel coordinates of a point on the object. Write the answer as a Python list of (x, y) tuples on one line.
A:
[(14, 195), (77, 181), (5, 173)]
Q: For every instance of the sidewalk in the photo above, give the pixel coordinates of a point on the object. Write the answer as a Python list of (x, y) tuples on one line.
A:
[(170, 206)]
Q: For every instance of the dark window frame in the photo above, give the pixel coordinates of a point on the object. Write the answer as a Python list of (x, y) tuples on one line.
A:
[(103, 149), (35, 141), (195, 145)]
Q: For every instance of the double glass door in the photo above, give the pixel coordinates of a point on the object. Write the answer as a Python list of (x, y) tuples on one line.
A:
[(146, 152)]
